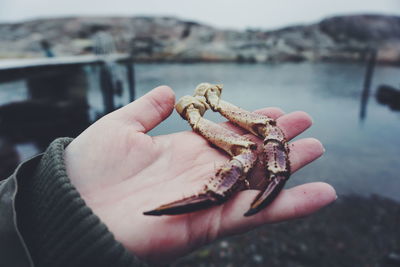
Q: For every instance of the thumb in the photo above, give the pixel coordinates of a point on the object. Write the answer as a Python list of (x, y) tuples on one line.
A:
[(149, 110)]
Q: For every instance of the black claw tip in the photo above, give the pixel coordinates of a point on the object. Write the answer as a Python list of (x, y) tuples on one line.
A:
[(251, 212), (153, 212)]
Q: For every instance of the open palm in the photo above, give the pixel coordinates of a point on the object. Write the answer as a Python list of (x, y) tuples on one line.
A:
[(121, 172)]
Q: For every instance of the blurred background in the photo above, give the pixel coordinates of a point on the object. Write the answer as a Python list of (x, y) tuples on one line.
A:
[(65, 64)]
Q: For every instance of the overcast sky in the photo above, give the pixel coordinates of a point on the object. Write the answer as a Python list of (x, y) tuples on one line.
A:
[(238, 14)]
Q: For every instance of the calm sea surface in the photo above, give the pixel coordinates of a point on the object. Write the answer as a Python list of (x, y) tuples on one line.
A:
[(362, 157)]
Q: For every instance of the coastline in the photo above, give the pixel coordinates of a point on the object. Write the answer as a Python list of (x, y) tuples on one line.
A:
[(167, 39)]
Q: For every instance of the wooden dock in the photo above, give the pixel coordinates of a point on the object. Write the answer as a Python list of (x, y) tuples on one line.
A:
[(66, 76), (11, 69)]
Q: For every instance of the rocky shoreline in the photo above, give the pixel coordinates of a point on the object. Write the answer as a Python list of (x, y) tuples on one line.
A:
[(354, 231), (168, 39)]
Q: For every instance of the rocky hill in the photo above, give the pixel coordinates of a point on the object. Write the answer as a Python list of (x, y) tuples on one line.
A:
[(172, 39)]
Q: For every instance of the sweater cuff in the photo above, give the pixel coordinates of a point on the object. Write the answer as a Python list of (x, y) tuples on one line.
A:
[(57, 226)]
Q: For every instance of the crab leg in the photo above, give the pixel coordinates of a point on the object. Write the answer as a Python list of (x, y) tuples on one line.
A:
[(230, 177), (275, 155)]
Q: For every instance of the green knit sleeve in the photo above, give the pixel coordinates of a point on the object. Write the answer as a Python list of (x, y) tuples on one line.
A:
[(57, 226)]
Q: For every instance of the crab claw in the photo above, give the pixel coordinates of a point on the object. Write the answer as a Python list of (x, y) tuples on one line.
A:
[(229, 178), (186, 205), (277, 168), (264, 198)]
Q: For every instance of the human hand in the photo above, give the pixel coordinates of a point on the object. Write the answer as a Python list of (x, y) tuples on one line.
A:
[(121, 171)]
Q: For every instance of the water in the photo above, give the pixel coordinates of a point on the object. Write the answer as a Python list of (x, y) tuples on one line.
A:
[(362, 157)]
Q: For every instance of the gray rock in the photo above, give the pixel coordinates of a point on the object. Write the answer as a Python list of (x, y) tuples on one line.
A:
[(172, 39)]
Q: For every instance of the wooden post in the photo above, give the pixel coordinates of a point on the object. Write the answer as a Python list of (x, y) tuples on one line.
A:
[(107, 88), (131, 78), (371, 60)]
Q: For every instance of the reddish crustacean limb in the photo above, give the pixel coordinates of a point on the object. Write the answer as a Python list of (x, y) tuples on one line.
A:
[(275, 153), (230, 177)]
